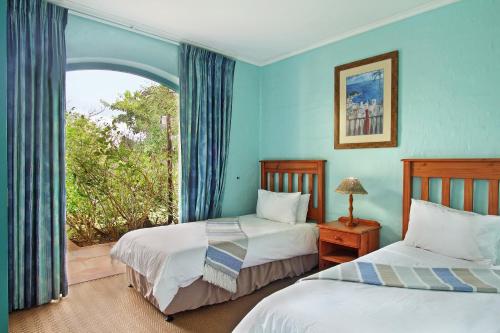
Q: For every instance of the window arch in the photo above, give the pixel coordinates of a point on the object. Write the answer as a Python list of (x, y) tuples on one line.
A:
[(130, 67)]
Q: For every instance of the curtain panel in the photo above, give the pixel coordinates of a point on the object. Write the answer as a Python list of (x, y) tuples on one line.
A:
[(35, 139), (206, 92)]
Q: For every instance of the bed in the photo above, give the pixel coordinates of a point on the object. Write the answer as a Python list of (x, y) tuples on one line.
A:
[(341, 306), (165, 264)]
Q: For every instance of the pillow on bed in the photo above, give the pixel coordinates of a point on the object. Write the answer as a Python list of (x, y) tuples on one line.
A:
[(453, 233), (303, 207), (280, 207)]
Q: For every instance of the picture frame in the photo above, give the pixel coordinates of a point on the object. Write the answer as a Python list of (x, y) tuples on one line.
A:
[(366, 103)]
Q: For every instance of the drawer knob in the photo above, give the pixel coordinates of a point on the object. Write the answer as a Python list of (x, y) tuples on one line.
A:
[(337, 238)]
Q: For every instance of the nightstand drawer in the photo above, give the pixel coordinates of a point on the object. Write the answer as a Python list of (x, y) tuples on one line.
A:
[(339, 237)]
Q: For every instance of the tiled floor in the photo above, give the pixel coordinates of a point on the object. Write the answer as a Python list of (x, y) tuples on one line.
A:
[(90, 263)]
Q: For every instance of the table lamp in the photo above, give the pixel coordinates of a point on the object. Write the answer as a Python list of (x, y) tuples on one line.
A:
[(351, 186)]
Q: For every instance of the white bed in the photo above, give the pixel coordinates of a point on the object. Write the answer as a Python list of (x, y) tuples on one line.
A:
[(172, 257), (341, 306), (165, 264), (338, 306)]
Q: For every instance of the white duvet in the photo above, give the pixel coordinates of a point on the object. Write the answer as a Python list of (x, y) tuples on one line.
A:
[(338, 306), (171, 257)]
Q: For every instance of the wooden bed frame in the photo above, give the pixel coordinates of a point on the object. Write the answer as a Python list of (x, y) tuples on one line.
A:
[(447, 169), (274, 172)]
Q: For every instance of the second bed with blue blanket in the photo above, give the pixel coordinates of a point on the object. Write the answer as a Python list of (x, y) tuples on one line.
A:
[(325, 303)]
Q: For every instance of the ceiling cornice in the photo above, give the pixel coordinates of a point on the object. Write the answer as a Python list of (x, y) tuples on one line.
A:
[(138, 27), (377, 24)]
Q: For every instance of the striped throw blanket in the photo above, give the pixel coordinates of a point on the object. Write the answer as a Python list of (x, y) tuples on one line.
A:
[(227, 248), (480, 280)]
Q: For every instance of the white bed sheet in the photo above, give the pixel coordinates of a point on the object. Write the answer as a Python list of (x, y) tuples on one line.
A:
[(171, 257), (338, 306)]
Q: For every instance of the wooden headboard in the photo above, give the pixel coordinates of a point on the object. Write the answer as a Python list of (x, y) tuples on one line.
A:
[(447, 169), (273, 174)]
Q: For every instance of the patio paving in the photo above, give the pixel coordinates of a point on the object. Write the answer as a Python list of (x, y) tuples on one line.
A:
[(90, 262)]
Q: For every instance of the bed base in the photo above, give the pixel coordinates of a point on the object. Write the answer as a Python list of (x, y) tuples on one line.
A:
[(201, 293)]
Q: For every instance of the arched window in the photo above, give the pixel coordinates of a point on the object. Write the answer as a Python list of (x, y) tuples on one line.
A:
[(121, 154)]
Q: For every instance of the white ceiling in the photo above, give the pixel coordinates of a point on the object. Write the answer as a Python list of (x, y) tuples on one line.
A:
[(257, 31)]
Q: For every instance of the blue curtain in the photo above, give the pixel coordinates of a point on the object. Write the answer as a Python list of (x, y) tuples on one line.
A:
[(35, 139), (206, 91)]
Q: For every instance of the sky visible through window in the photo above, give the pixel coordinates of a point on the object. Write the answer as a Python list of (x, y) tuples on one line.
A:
[(86, 88)]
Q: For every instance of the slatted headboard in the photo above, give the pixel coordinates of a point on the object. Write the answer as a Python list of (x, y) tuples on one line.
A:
[(273, 175), (447, 169)]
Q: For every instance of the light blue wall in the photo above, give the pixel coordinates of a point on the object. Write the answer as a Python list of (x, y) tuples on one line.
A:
[(98, 45), (241, 194), (449, 91), (3, 169)]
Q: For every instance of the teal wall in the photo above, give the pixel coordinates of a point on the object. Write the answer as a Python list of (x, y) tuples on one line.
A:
[(240, 195), (448, 103), (97, 45), (3, 168)]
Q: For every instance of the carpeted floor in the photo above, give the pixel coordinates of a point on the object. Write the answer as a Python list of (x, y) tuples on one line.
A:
[(107, 305)]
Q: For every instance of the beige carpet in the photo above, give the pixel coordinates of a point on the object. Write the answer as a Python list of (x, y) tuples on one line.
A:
[(108, 305)]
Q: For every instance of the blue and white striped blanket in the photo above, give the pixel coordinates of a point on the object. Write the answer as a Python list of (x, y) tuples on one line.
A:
[(480, 280), (227, 248)]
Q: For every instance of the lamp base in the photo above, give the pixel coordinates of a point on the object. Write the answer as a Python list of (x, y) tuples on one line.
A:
[(347, 221)]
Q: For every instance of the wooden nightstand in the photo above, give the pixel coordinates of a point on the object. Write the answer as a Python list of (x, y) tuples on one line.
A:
[(339, 244)]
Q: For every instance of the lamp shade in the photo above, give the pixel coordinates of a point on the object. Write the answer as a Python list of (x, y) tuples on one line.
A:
[(351, 185)]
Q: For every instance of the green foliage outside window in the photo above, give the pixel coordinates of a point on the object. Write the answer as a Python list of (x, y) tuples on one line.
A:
[(124, 175)]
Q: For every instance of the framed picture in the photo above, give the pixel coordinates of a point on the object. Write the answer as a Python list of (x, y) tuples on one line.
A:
[(366, 103)]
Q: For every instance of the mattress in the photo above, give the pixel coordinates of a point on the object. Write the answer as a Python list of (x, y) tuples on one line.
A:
[(326, 306), (171, 257)]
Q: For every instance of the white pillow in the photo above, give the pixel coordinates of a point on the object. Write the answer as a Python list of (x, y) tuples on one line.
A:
[(280, 207), (303, 207), (453, 233)]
